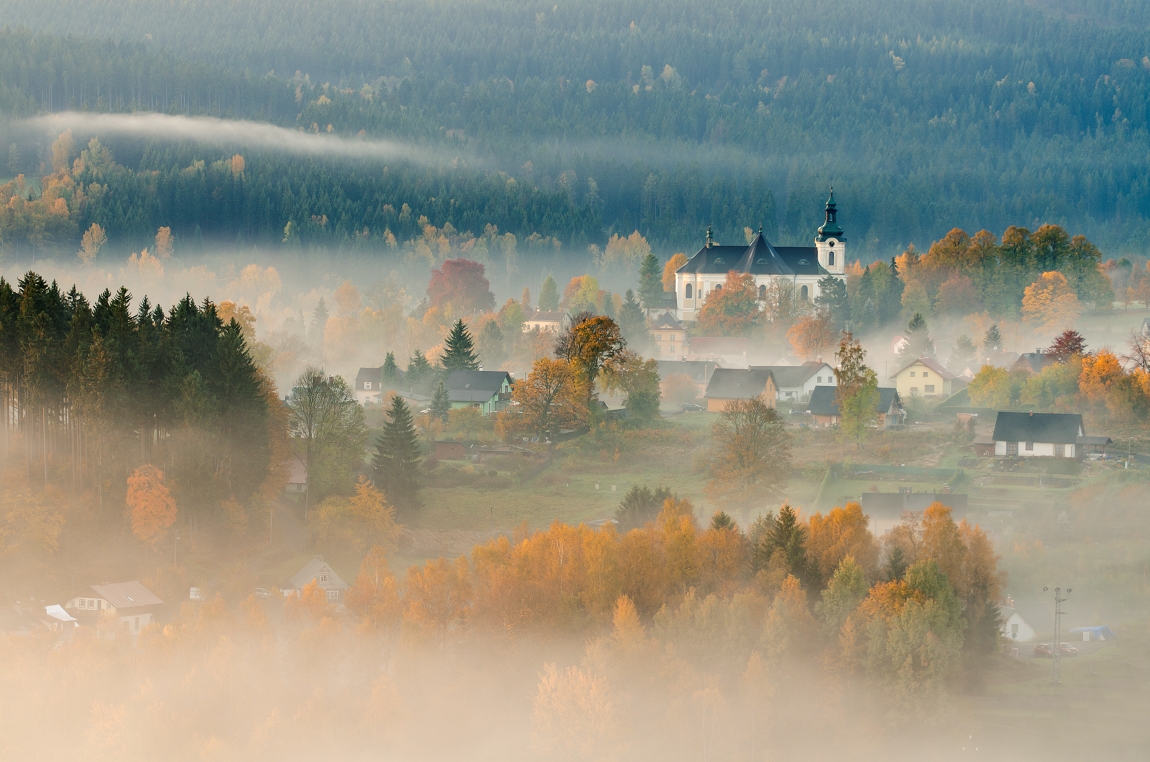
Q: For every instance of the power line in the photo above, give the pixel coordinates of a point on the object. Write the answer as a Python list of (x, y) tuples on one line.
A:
[(1056, 667)]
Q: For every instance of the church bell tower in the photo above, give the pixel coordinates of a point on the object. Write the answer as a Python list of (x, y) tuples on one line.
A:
[(830, 240)]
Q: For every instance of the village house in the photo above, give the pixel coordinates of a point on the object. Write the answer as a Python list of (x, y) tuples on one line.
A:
[(825, 410), (796, 382), (699, 371), (297, 474), (730, 384), (1032, 362), (317, 570), (802, 267), (670, 337), (370, 386), (1038, 435), (132, 604), (923, 377), (1014, 627), (544, 321), (489, 390)]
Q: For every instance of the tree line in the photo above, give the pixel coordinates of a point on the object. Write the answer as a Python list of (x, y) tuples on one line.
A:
[(92, 391)]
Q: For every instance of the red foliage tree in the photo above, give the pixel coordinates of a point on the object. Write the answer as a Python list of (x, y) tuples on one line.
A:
[(461, 285), (1066, 345)]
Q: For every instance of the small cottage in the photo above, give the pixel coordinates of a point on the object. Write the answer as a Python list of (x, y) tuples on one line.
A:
[(1030, 435), (317, 570), (730, 384), (133, 605), (489, 390), (824, 408), (923, 377), (796, 382)]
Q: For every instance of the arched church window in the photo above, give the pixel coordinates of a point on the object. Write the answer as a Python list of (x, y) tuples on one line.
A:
[(804, 293), (689, 290), (831, 258), (762, 293), (718, 286)]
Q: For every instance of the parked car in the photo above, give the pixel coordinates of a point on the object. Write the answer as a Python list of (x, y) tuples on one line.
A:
[(261, 592), (1046, 650), (691, 407)]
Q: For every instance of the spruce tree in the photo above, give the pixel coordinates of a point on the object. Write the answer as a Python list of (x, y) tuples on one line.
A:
[(992, 341), (459, 350), (549, 295), (440, 402), (918, 340), (833, 300), (389, 371), (633, 324), (418, 372), (650, 282), (397, 456)]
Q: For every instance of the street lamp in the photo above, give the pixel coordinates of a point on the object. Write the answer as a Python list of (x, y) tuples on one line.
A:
[(175, 550)]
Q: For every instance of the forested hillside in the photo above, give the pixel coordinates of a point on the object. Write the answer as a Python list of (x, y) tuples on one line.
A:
[(657, 116)]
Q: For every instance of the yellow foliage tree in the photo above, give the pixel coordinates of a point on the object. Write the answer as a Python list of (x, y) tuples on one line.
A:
[(1050, 302), (841, 533), (164, 243), (152, 508), (813, 335), (363, 520), (90, 245), (676, 261)]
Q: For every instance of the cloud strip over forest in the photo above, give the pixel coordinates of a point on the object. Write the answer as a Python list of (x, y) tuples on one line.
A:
[(259, 135)]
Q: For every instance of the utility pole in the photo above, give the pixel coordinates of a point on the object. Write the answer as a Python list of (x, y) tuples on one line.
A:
[(175, 551), (1056, 667)]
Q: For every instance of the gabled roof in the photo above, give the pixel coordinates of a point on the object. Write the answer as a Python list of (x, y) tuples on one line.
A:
[(543, 316), (1056, 428), (737, 383), (475, 385), (760, 257), (375, 375), (313, 569), (932, 364), (1033, 362), (126, 595), (823, 400), (794, 376), (698, 370), (666, 321)]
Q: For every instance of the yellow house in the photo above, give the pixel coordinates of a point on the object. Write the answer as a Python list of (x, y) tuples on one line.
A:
[(924, 378), (670, 337)]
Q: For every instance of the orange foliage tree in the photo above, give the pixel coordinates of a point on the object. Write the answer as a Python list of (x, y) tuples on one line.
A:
[(813, 335), (733, 310), (151, 506)]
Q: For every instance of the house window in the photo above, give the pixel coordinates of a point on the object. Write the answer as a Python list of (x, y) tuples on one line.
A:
[(1014, 630), (914, 391), (1030, 446), (367, 385), (930, 389), (1060, 451), (1012, 449), (912, 374), (672, 347), (818, 379), (323, 578), (333, 595), (925, 374), (689, 291)]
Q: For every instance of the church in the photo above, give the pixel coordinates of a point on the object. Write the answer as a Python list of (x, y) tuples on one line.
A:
[(802, 266)]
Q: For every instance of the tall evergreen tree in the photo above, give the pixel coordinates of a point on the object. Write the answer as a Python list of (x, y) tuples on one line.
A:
[(633, 323), (549, 295), (650, 282), (992, 341), (459, 350), (390, 371), (833, 300), (440, 401), (419, 372), (397, 456), (918, 341)]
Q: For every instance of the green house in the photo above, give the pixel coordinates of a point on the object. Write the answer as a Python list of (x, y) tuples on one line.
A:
[(489, 390)]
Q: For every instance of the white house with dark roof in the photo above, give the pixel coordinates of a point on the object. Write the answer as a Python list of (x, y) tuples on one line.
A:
[(317, 570), (1035, 435), (130, 602), (797, 382), (369, 385), (544, 321), (802, 266)]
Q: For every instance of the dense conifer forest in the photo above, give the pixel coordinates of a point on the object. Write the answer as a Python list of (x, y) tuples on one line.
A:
[(578, 121)]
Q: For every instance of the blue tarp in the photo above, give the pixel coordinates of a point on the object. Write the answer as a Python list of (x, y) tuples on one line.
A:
[(1101, 632)]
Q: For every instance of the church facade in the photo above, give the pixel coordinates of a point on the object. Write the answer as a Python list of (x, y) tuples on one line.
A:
[(801, 266)]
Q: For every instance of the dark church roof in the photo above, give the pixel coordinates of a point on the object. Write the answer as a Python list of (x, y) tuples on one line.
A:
[(759, 258)]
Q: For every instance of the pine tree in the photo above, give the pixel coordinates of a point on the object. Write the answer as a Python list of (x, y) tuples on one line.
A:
[(390, 371), (459, 350), (962, 355), (633, 324), (418, 372), (918, 340), (833, 300), (318, 323), (440, 401), (650, 282), (992, 341), (397, 456), (549, 295)]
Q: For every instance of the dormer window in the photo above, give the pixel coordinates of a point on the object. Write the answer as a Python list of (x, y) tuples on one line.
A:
[(718, 260), (760, 261), (803, 262), (367, 385)]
